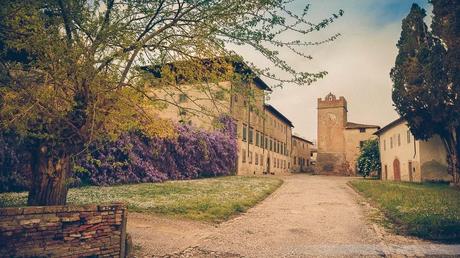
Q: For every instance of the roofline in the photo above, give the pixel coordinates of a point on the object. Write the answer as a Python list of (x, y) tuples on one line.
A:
[(301, 138), (278, 114), (389, 126), (359, 126), (257, 80)]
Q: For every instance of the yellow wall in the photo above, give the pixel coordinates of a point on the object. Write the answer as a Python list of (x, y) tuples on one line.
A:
[(428, 157), (353, 137)]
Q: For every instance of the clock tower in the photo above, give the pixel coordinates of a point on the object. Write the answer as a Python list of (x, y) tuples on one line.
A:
[(332, 121)]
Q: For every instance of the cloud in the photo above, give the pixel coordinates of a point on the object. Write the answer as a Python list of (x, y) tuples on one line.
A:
[(358, 63)]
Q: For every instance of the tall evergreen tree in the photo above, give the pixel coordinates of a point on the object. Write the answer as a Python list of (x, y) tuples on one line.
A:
[(425, 88)]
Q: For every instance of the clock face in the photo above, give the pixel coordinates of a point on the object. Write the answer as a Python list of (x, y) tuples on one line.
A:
[(332, 118)]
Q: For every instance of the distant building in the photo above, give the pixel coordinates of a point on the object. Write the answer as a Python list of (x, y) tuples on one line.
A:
[(405, 159), (301, 154), (264, 133), (339, 141)]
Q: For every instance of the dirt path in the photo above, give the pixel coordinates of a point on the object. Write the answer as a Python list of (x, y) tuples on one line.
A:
[(308, 216)]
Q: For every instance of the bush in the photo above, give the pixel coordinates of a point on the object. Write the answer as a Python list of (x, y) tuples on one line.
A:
[(136, 158), (14, 172), (369, 158)]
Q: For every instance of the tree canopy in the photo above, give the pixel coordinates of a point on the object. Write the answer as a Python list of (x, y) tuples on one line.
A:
[(69, 67), (426, 76)]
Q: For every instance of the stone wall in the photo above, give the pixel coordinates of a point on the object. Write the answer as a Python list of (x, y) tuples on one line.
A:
[(58, 231)]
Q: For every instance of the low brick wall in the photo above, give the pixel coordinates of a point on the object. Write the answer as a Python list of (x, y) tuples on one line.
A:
[(57, 231)]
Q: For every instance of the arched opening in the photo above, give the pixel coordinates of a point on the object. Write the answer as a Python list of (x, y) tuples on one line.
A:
[(396, 170)]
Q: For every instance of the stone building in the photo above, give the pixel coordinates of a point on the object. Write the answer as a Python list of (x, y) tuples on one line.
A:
[(339, 141), (405, 159), (264, 133), (301, 154)]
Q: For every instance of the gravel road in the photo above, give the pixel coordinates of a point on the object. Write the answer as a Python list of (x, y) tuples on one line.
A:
[(308, 216)]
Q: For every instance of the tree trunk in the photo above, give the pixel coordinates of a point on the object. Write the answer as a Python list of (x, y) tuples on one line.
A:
[(453, 157), (50, 174)]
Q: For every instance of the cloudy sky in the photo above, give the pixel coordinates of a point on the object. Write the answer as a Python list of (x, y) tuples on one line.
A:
[(358, 62)]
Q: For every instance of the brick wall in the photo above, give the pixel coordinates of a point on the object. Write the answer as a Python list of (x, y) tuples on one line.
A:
[(58, 231)]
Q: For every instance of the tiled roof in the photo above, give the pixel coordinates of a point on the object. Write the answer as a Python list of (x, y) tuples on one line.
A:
[(278, 114), (390, 125), (351, 125), (302, 139)]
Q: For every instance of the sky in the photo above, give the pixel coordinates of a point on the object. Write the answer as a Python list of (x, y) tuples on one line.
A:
[(358, 63)]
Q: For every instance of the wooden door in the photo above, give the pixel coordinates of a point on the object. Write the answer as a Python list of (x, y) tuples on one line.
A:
[(396, 170)]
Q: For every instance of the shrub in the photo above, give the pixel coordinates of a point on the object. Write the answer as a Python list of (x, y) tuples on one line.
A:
[(136, 158)]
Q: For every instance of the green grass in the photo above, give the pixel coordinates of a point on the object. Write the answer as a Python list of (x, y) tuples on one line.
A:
[(212, 200), (430, 211)]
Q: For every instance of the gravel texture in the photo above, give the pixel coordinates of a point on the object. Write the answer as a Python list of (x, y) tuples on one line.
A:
[(308, 216)]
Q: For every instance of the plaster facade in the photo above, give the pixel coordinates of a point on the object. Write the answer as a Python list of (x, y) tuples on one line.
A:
[(405, 159), (301, 154), (264, 134)]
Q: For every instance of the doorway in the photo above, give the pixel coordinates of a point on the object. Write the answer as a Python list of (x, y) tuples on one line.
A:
[(396, 170)]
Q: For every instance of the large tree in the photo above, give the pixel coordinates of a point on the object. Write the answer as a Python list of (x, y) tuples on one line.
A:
[(426, 77), (68, 67)]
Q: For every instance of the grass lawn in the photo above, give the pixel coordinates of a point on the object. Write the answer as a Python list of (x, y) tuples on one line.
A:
[(430, 211), (214, 199)]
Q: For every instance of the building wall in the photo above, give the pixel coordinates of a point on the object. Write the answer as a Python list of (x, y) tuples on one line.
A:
[(332, 119), (433, 160), (300, 155), (196, 105), (353, 139), (397, 144), (428, 158), (250, 125), (268, 152)]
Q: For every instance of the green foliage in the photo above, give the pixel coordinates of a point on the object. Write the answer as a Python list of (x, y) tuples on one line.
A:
[(426, 77), (213, 199), (369, 158), (430, 211), (68, 68)]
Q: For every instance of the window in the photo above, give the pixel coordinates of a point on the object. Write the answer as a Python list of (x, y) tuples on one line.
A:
[(408, 136), (251, 135), (250, 157), (245, 129), (384, 145), (282, 149), (271, 145), (399, 140), (284, 164), (182, 98), (362, 130), (243, 157), (295, 160), (261, 160), (391, 143), (266, 142), (257, 138), (257, 159)]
